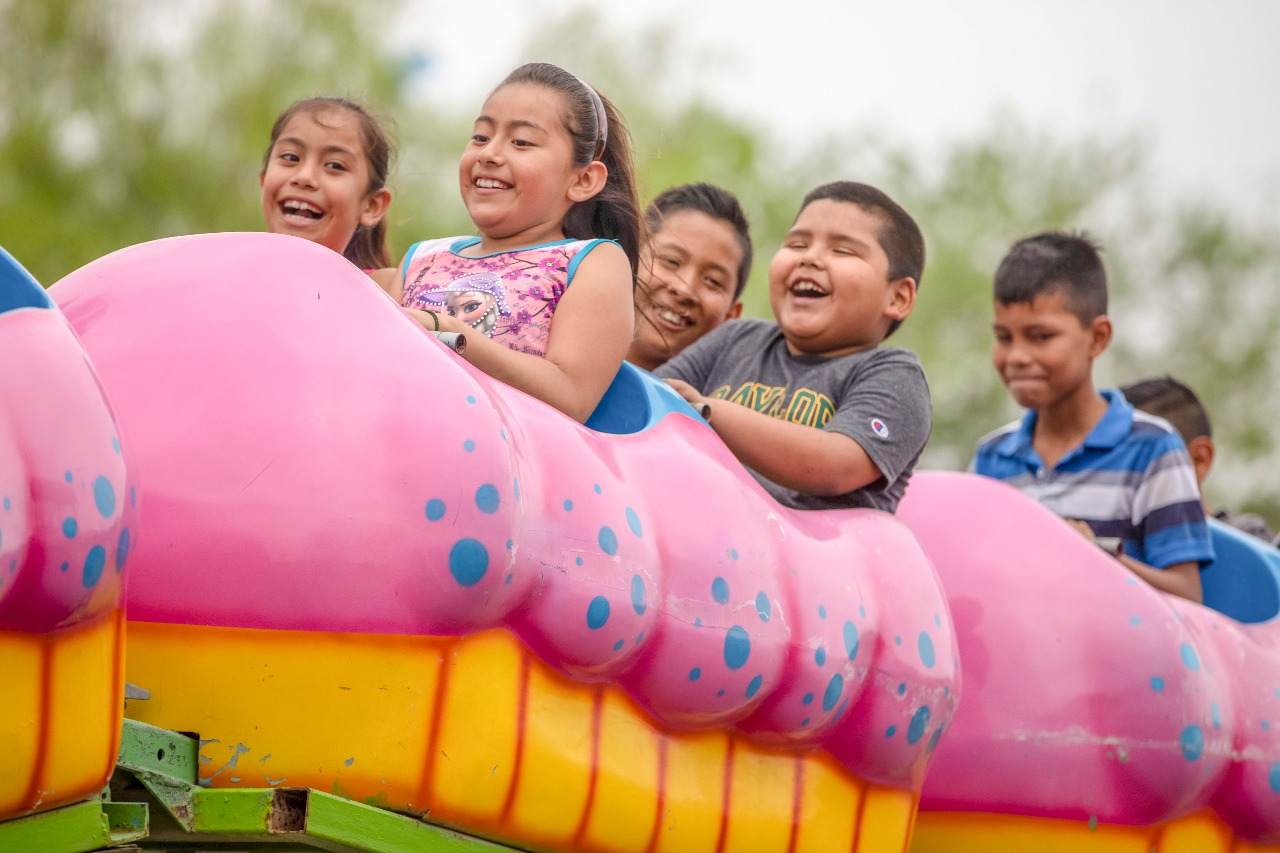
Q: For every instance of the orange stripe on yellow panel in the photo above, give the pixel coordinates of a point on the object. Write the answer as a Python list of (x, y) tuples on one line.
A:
[(20, 718), (762, 793), (555, 777), (84, 709), (693, 793), (625, 802), (828, 806), (347, 713), (475, 750), (887, 816)]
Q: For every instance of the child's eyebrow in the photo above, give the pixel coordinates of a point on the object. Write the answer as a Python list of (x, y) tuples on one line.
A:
[(515, 122)]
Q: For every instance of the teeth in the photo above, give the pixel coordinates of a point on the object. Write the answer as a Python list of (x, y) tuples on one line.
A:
[(295, 206), (806, 288), (491, 184), (672, 317)]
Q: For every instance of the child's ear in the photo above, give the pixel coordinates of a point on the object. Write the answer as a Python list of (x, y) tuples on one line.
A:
[(375, 207), (1100, 335), (1201, 451), (735, 311), (902, 299), (589, 181)]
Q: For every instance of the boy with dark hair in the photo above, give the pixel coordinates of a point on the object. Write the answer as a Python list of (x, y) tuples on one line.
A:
[(692, 270), (1118, 476), (821, 414), (1166, 397)]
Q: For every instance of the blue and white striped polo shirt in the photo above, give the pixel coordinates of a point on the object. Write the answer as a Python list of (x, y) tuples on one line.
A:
[(1131, 479)]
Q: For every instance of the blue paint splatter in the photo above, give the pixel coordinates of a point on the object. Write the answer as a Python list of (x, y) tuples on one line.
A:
[(133, 496), (937, 620), (639, 637), (822, 611), (733, 553), (754, 686), (93, 564), (65, 565), (471, 399), (897, 641), (115, 444), (633, 521), (926, 650), (808, 698), (1273, 776), (578, 560), (597, 612), (737, 647), (487, 499), (832, 694), (617, 647), (608, 540), (637, 595), (69, 527), (1192, 742), (6, 502), (67, 476), (919, 721), (891, 731), (720, 590), (435, 509), (933, 740), (851, 639), (697, 623), (568, 505), (122, 549), (1157, 683), (763, 607), (820, 655), (468, 445), (468, 561), (1215, 715), (1189, 657), (695, 673), (515, 489), (597, 488), (1134, 620), (902, 688)]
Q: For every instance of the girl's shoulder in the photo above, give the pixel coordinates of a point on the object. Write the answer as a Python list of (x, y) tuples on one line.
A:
[(440, 244)]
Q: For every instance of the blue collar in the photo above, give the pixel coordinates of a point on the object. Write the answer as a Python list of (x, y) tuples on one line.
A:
[(1116, 423)]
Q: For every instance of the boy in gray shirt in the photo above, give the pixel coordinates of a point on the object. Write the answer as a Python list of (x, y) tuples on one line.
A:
[(821, 414)]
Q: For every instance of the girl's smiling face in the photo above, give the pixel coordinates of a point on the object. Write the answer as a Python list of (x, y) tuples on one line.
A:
[(517, 175), (316, 181)]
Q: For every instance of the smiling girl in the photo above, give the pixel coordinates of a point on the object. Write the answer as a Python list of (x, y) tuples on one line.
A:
[(324, 179), (547, 179)]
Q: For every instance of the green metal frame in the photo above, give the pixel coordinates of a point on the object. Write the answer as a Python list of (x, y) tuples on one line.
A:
[(159, 767)]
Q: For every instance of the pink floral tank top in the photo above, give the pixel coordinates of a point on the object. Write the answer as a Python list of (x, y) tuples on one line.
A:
[(509, 296)]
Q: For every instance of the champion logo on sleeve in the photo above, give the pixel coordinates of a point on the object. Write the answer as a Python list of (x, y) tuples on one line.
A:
[(879, 427)]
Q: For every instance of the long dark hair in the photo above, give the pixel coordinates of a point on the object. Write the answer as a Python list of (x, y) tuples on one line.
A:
[(591, 120), (367, 247)]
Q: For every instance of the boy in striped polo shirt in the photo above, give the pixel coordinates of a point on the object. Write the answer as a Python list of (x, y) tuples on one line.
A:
[(1121, 477)]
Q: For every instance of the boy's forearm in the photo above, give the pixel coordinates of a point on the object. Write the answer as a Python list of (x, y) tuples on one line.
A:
[(1180, 579), (803, 458)]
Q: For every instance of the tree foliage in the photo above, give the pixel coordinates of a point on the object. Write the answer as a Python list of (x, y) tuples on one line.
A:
[(133, 120)]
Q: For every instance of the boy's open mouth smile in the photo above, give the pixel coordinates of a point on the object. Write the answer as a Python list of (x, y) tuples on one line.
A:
[(302, 211), (805, 289), (491, 184)]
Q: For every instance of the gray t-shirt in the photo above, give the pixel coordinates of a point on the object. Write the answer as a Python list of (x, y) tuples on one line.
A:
[(878, 397)]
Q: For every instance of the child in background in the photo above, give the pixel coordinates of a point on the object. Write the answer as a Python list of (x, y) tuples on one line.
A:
[(821, 414), (1166, 397), (692, 270), (1113, 473), (548, 181), (324, 179)]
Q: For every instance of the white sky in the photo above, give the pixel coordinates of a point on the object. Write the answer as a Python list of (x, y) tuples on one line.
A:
[(1200, 80)]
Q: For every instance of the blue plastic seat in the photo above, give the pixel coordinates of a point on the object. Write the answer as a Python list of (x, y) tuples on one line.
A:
[(635, 401), (1244, 580)]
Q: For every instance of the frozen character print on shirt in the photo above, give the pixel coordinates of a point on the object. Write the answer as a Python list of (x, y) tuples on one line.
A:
[(477, 300)]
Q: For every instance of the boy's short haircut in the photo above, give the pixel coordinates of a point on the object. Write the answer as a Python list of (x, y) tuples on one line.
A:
[(1055, 262), (1166, 397), (716, 203), (899, 235)]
